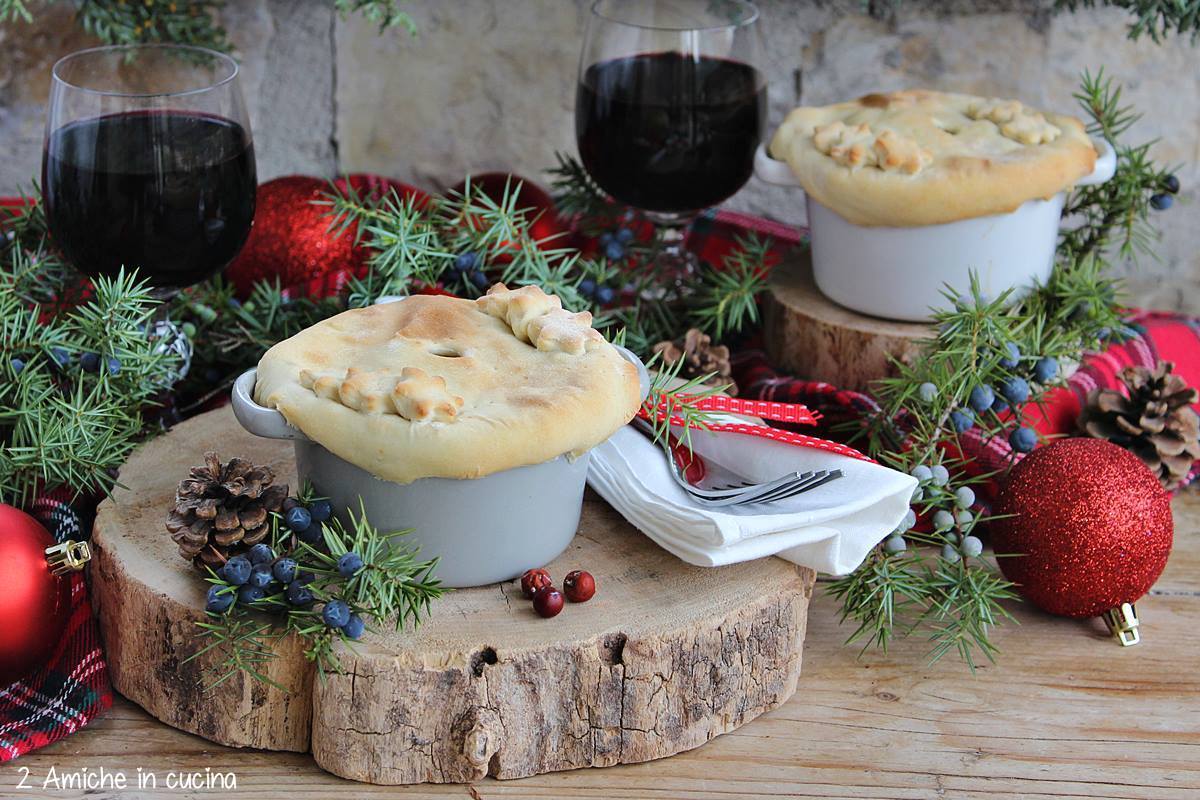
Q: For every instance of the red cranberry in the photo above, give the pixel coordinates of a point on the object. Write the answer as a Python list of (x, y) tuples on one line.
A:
[(548, 602), (532, 580), (579, 586)]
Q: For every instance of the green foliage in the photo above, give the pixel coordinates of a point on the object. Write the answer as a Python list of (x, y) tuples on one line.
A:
[(13, 10), (192, 22), (392, 585), (1157, 19), (61, 425), (384, 13), (415, 246), (230, 336), (1115, 212), (956, 602)]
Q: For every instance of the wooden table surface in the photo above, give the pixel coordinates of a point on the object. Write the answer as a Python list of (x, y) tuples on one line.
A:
[(1065, 713)]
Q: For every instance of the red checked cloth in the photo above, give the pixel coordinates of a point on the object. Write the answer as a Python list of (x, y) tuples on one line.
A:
[(1161, 337), (72, 688)]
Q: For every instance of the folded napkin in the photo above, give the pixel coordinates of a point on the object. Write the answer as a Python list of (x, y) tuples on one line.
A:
[(830, 528)]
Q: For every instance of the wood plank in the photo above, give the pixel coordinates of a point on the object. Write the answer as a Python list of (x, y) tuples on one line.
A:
[(1065, 713)]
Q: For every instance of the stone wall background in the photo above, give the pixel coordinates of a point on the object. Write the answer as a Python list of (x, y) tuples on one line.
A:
[(489, 84)]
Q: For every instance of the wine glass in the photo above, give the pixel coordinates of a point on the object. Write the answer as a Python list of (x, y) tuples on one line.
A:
[(670, 107), (148, 163)]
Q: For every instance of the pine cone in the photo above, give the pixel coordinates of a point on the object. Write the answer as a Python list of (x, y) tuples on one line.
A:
[(221, 511), (700, 357), (1155, 422)]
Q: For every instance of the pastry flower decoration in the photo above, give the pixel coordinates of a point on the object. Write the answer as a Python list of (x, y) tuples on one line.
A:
[(415, 395), (858, 146), (540, 320)]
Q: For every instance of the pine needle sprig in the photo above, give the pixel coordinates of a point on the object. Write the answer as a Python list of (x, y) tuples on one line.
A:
[(241, 645), (727, 299), (61, 424), (191, 22), (1115, 212), (13, 10), (955, 599), (576, 193), (673, 399)]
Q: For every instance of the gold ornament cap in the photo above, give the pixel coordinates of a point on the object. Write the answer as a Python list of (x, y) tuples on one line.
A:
[(70, 556), (1122, 623)]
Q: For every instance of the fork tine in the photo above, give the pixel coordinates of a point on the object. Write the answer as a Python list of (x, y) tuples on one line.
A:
[(814, 483), (753, 495)]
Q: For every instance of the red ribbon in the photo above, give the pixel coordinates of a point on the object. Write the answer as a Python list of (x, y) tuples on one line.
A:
[(766, 409)]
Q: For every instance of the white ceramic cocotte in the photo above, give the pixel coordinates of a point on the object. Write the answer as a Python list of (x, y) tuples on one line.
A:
[(900, 273)]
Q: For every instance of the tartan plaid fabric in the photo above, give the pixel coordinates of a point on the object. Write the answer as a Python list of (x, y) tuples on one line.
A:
[(72, 689), (1161, 336)]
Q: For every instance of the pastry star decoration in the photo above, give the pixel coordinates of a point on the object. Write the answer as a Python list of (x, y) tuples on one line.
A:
[(539, 319), (859, 146), (415, 395), (1015, 121), (421, 397)]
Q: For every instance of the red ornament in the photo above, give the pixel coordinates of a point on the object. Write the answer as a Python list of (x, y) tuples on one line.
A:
[(533, 580), (579, 586), (35, 604), (1091, 527), (548, 602)]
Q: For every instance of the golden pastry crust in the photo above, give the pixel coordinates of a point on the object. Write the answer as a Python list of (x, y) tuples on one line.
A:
[(923, 158), (444, 387)]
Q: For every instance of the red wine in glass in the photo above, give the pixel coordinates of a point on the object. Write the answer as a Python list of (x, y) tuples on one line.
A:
[(148, 163), (669, 107), (170, 193), (670, 132)]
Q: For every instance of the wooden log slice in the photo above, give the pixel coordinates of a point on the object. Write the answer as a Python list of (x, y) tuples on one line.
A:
[(811, 336), (665, 656)]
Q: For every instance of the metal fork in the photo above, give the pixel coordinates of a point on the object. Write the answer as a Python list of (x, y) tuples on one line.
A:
[(785, 486)]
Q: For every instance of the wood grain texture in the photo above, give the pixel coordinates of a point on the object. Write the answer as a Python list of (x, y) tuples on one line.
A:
[(664, 658), (1064, 713), (811, 336)]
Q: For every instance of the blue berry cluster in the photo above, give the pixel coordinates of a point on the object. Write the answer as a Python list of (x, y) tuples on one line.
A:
[(599, 293), (93, 363), (1162, 200), (614, 243), (933, 485), (264, 579), (1011, 392), (257, 575), (305, 521), (467, 268)]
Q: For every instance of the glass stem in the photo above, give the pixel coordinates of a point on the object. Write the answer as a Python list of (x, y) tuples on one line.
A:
[(675, 265)]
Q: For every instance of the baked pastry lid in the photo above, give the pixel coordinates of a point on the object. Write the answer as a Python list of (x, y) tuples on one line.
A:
[(916, 188), (446, 387)]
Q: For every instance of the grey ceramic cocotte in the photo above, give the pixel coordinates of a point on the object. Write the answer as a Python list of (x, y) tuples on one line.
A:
[(483, 531)]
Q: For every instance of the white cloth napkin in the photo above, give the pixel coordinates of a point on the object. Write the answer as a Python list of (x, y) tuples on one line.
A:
[(830, 529)]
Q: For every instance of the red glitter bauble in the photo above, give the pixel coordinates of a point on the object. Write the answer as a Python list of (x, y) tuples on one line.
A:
[(1091, 527), (291, 240), (35, 604)]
